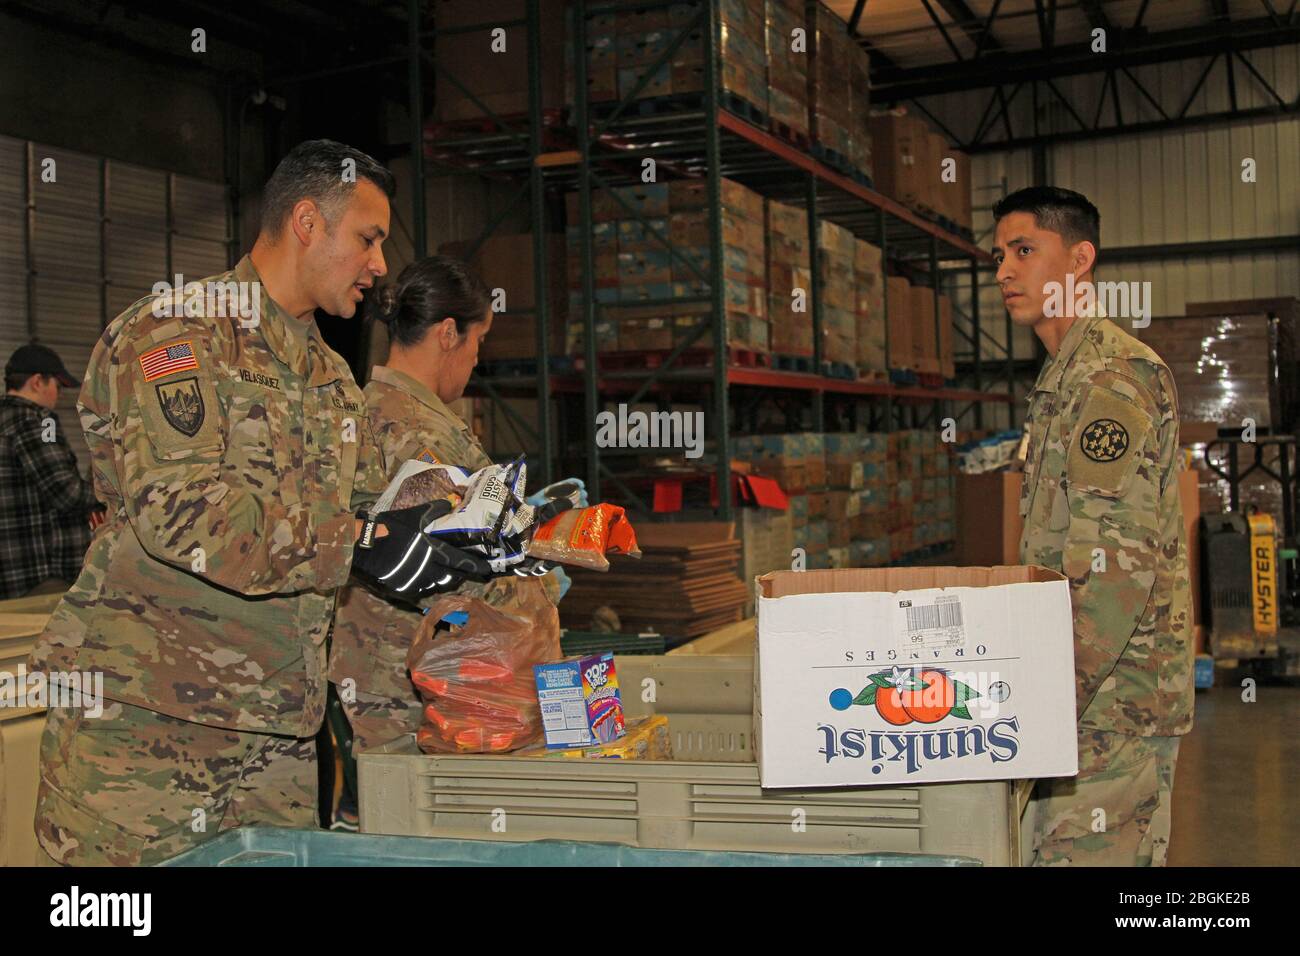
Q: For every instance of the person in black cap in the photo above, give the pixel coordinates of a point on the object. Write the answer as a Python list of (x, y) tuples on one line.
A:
[(46, 506)]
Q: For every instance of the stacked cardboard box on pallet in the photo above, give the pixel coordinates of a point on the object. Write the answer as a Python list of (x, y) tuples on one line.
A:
[(787, 69), (623, 45), (860, 147), (860, 499), (869, 283), (835, 249), (898, 292), (503, 88), (506, 263), (909, 163), (830, 88), (633, 264), (789, 279), (925, 341)]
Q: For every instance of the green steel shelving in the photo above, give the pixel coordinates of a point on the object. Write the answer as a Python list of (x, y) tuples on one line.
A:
[(708, 141)]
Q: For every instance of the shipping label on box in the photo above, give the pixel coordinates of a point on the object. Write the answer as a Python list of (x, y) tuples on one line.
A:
[(914, 675)]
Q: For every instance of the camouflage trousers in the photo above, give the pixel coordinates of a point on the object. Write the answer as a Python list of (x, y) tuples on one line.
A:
[(133, 787), (1116, 812), (376, 720)]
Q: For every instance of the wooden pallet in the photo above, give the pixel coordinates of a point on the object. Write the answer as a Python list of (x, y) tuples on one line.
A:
[(840, 370), (872, 375), (833, 158), (734, 103), (798, 138), (793, 363)]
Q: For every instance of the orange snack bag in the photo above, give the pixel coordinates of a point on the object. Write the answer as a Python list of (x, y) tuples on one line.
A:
[(583, 536)]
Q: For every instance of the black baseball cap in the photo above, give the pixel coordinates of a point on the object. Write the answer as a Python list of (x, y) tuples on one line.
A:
[(38, 360)]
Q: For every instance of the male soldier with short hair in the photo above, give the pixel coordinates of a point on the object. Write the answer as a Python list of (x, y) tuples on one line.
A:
[(232, 448), (1100, 503)]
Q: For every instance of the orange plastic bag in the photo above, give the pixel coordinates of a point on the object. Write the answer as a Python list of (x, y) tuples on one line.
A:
[(476, 680), (583, 536)]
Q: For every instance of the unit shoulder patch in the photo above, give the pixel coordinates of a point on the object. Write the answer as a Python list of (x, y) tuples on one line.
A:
[(1104, 439), (1110, 436), (182, 405)]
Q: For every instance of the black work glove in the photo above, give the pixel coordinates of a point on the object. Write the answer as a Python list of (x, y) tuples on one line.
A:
[(406, 564)]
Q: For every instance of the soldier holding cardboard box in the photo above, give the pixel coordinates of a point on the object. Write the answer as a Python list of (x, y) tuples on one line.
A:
[(1100, 502)]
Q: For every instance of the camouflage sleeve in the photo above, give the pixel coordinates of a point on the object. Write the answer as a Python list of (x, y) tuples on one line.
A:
[(1114, 468), (372, 467), (186, 482)]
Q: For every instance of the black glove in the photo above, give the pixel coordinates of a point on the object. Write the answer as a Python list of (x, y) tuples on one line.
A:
[(406, 564)]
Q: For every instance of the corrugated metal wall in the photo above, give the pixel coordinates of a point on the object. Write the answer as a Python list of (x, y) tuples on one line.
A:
[(99, 236), (1160, 187)]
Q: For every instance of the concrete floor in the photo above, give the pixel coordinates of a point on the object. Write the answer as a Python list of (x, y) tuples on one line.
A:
[(1237, 781)]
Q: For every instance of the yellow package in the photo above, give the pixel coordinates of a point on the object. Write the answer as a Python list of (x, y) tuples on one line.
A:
[(646, 739)]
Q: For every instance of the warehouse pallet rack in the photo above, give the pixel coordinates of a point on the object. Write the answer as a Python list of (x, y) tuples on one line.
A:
[(701, 137)]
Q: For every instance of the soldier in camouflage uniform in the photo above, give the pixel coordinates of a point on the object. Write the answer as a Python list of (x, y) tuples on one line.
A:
[(232, 449), (1100, 504), (437, 314)]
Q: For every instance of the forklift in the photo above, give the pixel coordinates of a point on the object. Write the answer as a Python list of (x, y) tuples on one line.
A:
[(1248, 570)]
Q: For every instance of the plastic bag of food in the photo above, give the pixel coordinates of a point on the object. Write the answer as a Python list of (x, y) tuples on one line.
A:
[(491, 516), (476, 680), (583, 536)]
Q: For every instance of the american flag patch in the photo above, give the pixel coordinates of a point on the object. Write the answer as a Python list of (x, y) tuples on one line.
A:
[(167, 359)]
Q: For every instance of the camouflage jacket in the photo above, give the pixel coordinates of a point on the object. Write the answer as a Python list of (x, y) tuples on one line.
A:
[(372, 636), (1100, 502), (231, 453)]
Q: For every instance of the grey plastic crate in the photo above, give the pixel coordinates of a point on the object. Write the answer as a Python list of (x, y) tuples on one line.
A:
[(269, 846), (706, 798)]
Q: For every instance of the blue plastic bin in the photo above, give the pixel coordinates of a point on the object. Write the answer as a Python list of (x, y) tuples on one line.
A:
[(272, 846)]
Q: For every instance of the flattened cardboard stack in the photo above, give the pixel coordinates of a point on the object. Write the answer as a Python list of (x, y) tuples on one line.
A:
[(633, 265), (686, 583)]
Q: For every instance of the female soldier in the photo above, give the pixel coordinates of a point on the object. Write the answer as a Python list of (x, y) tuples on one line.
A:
[(437, 314)]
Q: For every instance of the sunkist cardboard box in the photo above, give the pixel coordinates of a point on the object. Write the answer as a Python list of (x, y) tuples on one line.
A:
[(851, 663)]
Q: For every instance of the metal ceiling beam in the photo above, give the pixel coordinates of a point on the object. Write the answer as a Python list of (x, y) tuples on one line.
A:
[(856, 17), (1097, 18), (963, 17), (986, 34), (897, 85), (943, 31), (1228, 118), (115, 40)]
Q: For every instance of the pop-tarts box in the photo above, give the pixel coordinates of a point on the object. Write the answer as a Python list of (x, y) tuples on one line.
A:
[(580, 701)]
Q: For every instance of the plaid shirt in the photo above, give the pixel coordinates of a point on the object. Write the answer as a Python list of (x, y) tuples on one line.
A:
[(44, 503)]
